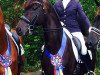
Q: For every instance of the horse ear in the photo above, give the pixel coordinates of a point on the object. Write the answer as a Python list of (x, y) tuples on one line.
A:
[(45, 2), (27, 3), (46, 5)]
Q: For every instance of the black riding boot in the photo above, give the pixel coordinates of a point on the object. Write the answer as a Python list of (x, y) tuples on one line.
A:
[(86, 59)]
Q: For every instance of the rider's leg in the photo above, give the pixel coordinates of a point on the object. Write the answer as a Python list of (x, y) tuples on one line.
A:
[(85, 55)]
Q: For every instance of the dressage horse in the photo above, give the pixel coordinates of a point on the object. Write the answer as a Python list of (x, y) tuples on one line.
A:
[(58, 57), (8, 51), (42, 13)]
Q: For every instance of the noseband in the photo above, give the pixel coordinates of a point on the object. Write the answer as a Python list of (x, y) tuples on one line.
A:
[(30, 23)]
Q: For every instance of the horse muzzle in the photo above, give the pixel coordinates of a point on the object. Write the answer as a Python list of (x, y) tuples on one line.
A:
[(19, 31)]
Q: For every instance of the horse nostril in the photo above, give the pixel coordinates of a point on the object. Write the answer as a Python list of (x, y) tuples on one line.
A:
[(19, 32)]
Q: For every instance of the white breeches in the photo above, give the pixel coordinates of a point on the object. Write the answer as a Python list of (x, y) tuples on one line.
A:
[(81, 38)]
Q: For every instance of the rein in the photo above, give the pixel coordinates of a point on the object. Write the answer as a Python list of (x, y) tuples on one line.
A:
[(53, 29), (31, 25), (95, 30)]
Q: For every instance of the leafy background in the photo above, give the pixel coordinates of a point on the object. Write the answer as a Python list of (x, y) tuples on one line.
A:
[(12, 10)]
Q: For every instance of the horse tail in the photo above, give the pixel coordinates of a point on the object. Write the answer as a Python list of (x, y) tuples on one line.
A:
[(9, 71)]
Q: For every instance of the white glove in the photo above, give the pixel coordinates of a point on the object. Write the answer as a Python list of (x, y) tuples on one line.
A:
[(90, 29)]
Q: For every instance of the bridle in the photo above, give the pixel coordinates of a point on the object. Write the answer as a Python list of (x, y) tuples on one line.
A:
[(31, 24), (96, 31), (34, 19)]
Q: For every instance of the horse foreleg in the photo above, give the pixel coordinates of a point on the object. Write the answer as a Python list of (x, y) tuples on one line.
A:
[(20, 64), (42, 72)]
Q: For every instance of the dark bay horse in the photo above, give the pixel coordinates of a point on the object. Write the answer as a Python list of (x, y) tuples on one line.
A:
[(38, 12), (42, 13), (8, 51)]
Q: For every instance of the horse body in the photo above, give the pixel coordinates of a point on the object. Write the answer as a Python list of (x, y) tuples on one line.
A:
[(44, 13), (4, 47)]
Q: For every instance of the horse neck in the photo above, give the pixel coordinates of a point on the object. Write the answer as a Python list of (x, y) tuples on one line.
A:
[(94, 38), (53, 38), (3, 41)]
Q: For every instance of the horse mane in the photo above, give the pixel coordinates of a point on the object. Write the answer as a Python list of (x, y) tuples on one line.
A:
[(1, 17), (97, 18), (49, 9), (98, 11), (27, 4), (97, 21)]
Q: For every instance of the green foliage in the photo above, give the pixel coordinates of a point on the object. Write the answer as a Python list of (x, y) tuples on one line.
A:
[(12, 10), (89, 8), (52, 1), (98, 59), (32, 46)]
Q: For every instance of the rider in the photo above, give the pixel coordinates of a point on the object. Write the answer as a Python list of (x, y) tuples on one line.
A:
[(68, 12)]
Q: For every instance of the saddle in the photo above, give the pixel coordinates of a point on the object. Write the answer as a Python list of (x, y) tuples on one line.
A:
[(16, 38), (76, 44)]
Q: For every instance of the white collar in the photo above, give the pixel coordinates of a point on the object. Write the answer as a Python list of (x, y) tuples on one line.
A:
[(65, 3)]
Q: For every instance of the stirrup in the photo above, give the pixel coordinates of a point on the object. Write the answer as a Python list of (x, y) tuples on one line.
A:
[(90, 73)]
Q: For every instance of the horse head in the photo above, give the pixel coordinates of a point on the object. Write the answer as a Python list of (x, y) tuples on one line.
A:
[(41, 12), (33, 12), (97, 23), (94, 38), (36, 13)]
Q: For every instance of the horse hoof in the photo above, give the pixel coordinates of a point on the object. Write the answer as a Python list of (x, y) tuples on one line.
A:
[(90, 73)]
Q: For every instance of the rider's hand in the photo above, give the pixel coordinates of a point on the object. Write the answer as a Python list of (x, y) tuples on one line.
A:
[(90, 29)]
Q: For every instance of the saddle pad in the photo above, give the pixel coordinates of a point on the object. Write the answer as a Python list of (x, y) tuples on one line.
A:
[(73, 45), (10, 34)]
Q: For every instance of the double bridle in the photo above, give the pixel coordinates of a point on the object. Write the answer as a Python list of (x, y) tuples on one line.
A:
[(32, 23), (34, 19)]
